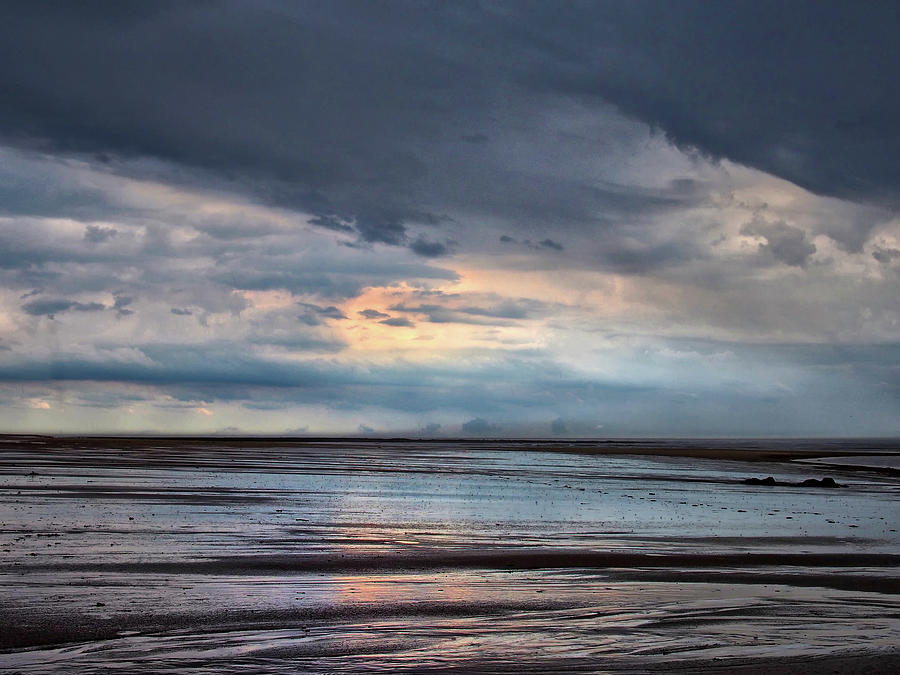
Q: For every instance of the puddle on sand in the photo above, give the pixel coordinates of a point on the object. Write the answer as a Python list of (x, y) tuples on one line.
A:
[(601, 623)]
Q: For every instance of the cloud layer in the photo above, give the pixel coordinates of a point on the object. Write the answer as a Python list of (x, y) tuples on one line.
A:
[(450, 218)]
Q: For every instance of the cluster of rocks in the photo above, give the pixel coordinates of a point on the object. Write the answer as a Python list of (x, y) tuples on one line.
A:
[(809, 482)]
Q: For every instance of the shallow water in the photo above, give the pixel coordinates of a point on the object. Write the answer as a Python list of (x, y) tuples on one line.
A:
[(387, 556)]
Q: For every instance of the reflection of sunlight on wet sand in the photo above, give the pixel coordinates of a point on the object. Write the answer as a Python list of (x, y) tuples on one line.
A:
[(405, 588), (412, 534), (410, 512)]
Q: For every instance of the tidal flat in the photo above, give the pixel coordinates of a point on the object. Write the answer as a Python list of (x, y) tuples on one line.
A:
[(214, 555)]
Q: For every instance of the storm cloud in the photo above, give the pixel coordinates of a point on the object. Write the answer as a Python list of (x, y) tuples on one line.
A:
[(483, 218), (51, 308), (784, 243)]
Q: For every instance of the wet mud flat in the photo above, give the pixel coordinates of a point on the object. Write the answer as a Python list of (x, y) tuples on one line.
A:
[(236, 555)]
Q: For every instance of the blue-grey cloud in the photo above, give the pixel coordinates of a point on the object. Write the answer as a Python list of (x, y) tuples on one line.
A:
[(121, 303), (373, 314), (428, 249), (505, 310), (512, 390), (52, 307), (549, 243), (501, 312), (702, 73), (398, 322), (885, 255), (330, 312), (97, 234), (440, 314), (224, 105), (329, 280), (208, 160), (332, 223), (314, 315), (784, 243)]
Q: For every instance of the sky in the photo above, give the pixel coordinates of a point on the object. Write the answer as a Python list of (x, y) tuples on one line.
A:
[(547, 219)]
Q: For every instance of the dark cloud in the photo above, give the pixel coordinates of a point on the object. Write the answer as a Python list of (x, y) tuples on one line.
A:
[(398, 322), (440, 314), (784, 243), (285, 101), (431, 428), (810, 101), (331, 312), (52, 307), (512, 135), (549, 243), (314, 314), (120, 305), (295, 140), (544, 244), (372, 314), (297, 283), (558, 427), (384, 229), (632, 256), (453, 310), (428, 249), (506, 310), (174, 364), (789, 389), (885, 255), (331, 223), (330, 278), (96, 234)]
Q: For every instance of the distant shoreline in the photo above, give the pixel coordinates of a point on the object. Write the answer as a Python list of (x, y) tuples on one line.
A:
[(748, 449)]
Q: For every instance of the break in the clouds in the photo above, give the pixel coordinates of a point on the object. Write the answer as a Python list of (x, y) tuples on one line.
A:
[(450, 218)]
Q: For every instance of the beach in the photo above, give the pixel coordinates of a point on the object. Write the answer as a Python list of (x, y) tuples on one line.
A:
[(372, 555)]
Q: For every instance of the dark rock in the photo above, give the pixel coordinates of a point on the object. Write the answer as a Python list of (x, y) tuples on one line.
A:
[(827, 482), (809, 482), (756, 481)]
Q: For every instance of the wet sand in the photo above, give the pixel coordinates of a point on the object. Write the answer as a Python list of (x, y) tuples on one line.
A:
[(227, 555)]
